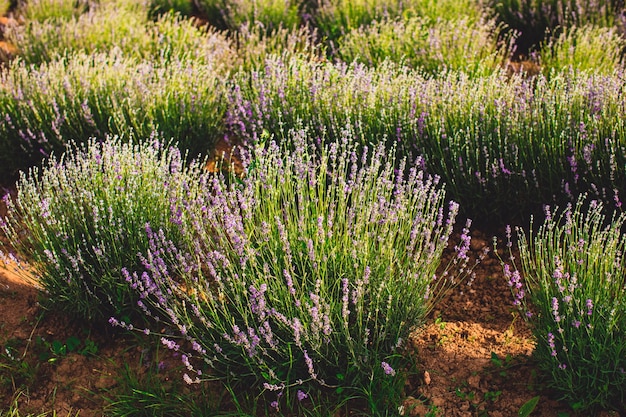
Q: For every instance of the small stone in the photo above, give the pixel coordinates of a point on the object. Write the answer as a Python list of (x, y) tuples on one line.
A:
[(474, 381), (426, 378)]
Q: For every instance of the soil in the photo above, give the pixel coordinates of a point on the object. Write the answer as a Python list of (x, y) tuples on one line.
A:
[(474, 356)]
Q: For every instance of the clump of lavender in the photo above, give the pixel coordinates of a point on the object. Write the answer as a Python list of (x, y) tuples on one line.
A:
[(536, 20), (512, 142), (93, 95), (309, 272), (584, 48), (462, 44), (572, 293), (82, 217)]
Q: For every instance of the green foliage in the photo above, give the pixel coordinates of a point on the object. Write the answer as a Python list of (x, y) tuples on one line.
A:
[(586, 48), (94, 95), (303, 279), (17, 373), (254, 46), (4, 7), (57, 11), (528, 407), (81, 218), (573, 296), (432, 46), (181, 7), (153, 388), (57, 349)]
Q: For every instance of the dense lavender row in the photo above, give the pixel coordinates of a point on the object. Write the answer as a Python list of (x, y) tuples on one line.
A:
[(303, 279), (87, 96), (496, 141), (125, 29)]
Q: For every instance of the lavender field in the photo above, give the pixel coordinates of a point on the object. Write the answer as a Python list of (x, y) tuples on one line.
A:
[(282, 196)]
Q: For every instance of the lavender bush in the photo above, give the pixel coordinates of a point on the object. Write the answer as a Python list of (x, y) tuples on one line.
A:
[(571, 291), (305, 276), (511, 142), (336, 18), (51, 10), (585, 48), (535, 20), (253, 45), (45, 107), (271, 14), (460, 44), (128, 31), (82, 217)]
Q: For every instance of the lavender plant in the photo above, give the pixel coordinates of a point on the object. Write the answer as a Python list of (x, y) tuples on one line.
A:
[(253, 45), (433, 46), (305, 276), (91, 95), (336, 18), (536, 19), (82, 217), (51, 10), (571, 291), (585, 48), (270, 14), (108, 27), (497, 141)]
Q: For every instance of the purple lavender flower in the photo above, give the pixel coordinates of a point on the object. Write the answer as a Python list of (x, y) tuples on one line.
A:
[(552, 344), (302, 395), (388, 369), (555, 309)]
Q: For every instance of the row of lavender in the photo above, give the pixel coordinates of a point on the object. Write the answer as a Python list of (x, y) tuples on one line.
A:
[(299, 281), (499, 143), (302, 277)]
